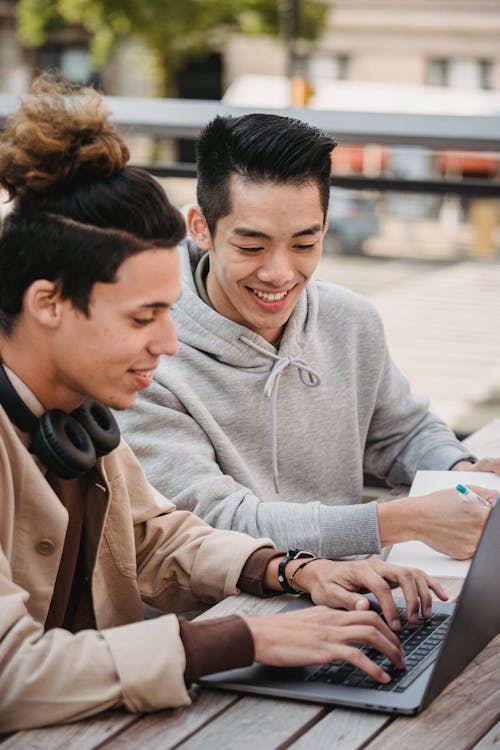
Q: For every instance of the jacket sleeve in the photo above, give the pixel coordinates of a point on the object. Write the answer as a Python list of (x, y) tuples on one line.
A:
[(57, 676), (180, 461), (181, 560)]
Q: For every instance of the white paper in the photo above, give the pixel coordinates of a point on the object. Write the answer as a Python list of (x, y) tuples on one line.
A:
[(429, 481), (418, 554)]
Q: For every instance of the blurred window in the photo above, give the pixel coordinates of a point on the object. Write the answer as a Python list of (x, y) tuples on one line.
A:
[(321, 65), (437, 72), (460, 72), (73, 62)]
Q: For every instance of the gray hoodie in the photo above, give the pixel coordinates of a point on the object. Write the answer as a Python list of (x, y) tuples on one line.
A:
[(274, 442)]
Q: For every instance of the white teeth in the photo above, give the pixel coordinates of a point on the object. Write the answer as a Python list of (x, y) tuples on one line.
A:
[(144, 373), (270, 297)]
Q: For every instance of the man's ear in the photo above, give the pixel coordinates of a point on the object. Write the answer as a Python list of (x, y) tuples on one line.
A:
[(42, 301), (198, 228)]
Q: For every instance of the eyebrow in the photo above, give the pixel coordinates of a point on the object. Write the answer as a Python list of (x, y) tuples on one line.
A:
[(157, 305), (246, 232)]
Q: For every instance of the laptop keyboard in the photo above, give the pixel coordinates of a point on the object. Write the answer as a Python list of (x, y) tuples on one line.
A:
[(421, 643)]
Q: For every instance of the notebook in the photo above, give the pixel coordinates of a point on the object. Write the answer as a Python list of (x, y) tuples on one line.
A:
[(447, 642)]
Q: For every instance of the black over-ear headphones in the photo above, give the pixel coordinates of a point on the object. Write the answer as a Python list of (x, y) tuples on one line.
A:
[(67, 444)]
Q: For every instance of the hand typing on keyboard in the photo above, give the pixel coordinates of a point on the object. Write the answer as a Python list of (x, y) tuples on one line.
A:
[(323, 634), (421, 642), (339, 584)]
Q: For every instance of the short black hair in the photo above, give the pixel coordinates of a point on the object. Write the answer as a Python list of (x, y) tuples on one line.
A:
[(261, 148)]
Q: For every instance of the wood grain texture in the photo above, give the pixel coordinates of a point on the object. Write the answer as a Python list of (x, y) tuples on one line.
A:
[(253, 722), (246, 604), (166, 729), (343, 730), (491, 740), (82, 735)]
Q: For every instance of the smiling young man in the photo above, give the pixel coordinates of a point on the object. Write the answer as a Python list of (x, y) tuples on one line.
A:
[(89, 273), (283, 392)]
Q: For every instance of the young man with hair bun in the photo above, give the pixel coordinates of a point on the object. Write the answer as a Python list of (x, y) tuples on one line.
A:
[(89, 273)]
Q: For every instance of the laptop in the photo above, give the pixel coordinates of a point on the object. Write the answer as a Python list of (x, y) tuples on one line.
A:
[(436, 649)]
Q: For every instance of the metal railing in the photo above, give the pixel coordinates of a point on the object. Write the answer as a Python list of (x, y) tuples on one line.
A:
[(185, 118)]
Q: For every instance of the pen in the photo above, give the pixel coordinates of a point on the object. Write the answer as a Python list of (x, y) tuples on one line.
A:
[(473, 497)]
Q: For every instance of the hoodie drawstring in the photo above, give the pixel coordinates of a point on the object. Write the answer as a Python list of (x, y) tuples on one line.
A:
[(307, 375)]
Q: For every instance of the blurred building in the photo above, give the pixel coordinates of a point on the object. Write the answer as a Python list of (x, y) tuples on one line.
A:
[(67, 51), (443, 43)]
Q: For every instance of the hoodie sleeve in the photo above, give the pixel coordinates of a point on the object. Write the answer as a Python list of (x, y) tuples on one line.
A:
[(188, 473)]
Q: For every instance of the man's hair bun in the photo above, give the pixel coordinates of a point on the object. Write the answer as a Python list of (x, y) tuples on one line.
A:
[(58, 136)]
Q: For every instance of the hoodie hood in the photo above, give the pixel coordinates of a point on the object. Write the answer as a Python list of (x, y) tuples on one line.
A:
[(200, 326)]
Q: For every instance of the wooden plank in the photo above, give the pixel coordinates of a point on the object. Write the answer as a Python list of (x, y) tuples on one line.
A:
[(452, 586), (81, 735), (459, 717), (266, 723), (246, 604), (166, 729), (490, 741), (343, 730)]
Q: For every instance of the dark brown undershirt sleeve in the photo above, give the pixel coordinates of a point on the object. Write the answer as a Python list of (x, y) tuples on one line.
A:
[(215, 645), (251, 579), (225, 642)]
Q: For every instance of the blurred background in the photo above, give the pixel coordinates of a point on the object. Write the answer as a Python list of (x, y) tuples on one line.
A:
[(410, 89)]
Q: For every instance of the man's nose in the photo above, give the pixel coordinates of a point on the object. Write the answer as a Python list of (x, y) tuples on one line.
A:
[(166, 340), (276, 268)]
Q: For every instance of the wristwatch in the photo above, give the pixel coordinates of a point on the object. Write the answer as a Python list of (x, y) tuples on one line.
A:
[(292, 554)]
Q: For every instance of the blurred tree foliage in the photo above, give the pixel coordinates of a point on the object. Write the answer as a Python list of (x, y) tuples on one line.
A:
[(175, 31)]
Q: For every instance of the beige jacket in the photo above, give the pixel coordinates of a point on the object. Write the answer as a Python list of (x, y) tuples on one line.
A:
[(139, 548)]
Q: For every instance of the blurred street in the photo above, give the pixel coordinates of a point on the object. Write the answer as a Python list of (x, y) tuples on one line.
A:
[(443, 327)]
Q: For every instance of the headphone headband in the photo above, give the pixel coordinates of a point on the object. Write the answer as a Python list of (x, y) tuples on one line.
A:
[(15, 407)]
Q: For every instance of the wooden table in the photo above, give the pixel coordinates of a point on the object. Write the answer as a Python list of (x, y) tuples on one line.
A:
[(465, 715)]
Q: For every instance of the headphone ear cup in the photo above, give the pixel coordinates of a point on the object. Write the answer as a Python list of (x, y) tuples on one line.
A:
[(98, 421), (63, 445)]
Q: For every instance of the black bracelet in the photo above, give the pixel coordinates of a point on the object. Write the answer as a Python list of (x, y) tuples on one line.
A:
[(292, 554), (299, 568)]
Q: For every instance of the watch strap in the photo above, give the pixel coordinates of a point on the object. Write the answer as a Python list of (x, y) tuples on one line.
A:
[(292, 554)]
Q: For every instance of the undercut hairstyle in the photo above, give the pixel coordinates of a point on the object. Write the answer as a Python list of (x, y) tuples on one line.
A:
[(259, 148), (78, 211)]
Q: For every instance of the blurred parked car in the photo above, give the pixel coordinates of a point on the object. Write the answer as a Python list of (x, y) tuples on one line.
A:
[(352, 219)]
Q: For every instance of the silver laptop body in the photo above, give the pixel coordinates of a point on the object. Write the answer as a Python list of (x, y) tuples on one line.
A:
[(473, 621)]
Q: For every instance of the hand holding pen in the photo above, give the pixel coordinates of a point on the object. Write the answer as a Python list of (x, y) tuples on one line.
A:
[(473, 497)]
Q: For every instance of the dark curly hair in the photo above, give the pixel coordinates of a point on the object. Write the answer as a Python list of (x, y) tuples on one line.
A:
[(78, 210)]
